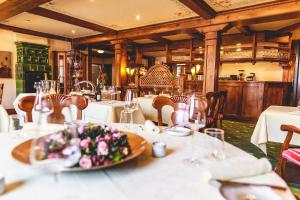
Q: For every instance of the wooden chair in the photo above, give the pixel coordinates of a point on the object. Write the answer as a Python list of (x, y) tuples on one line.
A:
[(178, 103), (223, 97), (26, 104), (81, 103), (1, 91), (59, 102), (213, 103), (286, 153)]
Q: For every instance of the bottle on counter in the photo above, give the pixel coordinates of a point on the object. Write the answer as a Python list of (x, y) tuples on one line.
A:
[(98, 95)]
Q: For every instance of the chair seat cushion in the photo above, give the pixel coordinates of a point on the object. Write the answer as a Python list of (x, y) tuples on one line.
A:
[(292, 155)]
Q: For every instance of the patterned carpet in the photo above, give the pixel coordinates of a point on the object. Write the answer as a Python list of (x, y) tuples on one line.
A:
[(239, 134)]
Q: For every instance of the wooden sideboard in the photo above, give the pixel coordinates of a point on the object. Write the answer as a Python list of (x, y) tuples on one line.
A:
[(247, 99)]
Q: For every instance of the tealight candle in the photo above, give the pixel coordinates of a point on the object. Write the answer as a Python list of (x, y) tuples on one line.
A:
[(159, 149), (2, 183)]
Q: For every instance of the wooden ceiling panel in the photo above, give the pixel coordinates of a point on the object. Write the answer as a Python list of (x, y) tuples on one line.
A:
[(121, 14), (46, 25), (224, 5)]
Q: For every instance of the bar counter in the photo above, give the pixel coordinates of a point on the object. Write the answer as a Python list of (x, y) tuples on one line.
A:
[(247, 99)]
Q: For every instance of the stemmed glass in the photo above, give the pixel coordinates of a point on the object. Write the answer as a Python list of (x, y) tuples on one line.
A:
[(197, 120), (56, 151), (217, 135), (131, 102), (43, 104)]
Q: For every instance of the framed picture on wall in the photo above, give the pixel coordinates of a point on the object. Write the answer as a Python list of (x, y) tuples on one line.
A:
[(5, 64)]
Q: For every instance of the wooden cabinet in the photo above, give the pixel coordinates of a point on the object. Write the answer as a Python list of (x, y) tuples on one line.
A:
[(246, 100)]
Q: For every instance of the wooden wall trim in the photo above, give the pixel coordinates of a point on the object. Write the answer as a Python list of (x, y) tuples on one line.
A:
[(200, 7)]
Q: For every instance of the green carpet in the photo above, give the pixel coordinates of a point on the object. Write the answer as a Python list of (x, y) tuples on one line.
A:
[(239, 134)]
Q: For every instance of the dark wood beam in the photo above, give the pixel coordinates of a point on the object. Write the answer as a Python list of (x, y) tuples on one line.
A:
[(158, 39), (289, 28), (70, 20), (10, 8), (35, 33), (279, 11), (246, 30), (200, 7)]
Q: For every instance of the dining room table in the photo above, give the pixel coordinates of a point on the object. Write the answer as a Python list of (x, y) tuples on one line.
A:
[(145, 177), (267, 128), (109, 111)]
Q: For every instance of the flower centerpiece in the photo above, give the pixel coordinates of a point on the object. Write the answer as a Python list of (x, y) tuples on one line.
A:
[(99, 145)]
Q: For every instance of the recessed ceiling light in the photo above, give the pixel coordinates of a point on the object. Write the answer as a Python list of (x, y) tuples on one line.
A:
[(238, 49), (138, 17), (27, 20), (92, 0), (100, 51), (238, 44), (73, 31), (200, 47)]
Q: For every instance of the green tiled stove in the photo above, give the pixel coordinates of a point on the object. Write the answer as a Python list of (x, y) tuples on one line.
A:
[(32, 64)]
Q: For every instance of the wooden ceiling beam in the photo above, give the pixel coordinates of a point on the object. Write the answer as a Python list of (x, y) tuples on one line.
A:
[(289, 28), (35, 33), (158, 39), (70, 20), (12, 8), (200, 7), (246, 30), (290, 10)]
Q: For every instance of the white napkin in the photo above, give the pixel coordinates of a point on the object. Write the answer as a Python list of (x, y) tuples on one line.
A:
[(151, 127), (238, 167)]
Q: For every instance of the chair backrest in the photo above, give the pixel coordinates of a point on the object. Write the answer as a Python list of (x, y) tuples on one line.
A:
[(213, 103), (26, 104), (178, 103), (59, 102), (223, 97), (80, 102), (1, 91)]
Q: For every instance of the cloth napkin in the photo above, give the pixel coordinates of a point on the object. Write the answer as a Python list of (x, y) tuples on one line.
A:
[(151, 127), (238, 167)]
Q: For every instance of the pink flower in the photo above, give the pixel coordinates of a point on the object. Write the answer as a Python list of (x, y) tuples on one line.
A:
[(107, 129), (85, 162), (107, 137), (102, 148), (85, 143), (81, 129), (125, 151), (117, 135), (53, 155)]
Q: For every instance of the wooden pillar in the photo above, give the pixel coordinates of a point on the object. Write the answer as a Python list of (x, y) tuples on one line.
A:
[(211, 56), (89, 65), (120, 63), (168, 54), (138, 56)]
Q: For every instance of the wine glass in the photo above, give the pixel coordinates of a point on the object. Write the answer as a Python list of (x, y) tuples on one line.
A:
[(197, 120), (43, 104), (217, 135), (131, 102), (56, 151)]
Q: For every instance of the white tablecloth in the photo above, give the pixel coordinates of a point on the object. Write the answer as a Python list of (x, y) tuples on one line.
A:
[(144, 178), (268, 126), (4, 120), (150, 113), (109, 112)]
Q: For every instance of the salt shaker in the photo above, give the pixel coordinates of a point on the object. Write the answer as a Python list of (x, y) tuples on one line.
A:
[(159, 149)]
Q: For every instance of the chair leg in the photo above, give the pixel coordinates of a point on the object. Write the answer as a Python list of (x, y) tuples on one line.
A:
[(221, 123), (281, 167)]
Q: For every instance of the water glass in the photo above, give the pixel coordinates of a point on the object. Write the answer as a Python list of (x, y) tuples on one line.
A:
[(15, 122), (131, 103), (217, 135)]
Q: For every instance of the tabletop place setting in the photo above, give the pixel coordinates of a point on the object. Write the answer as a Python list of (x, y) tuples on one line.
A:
[(150, 100)]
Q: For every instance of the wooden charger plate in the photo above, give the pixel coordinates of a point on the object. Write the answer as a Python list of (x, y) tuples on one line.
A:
[(137, 144)]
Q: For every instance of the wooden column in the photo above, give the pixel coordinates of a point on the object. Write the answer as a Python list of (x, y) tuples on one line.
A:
[(90, 62), (138, 56), (120, 63), (211, 56), (168, 53)]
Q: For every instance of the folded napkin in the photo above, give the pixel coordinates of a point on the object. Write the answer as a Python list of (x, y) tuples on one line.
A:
[(151, 127), (238, 167)]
